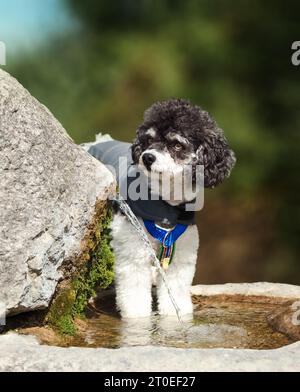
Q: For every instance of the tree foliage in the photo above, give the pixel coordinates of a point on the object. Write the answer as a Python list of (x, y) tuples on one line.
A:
[(231, 57)]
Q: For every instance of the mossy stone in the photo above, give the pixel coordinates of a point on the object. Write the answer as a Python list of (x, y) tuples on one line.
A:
[(97, 272)]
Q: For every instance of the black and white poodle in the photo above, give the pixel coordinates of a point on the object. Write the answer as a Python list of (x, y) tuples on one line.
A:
[(173, 136)]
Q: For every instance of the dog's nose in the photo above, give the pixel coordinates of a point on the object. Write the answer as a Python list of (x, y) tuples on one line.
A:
[(148, 160)]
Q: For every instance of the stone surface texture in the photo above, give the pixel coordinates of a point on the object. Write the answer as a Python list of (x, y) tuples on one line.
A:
[(24, 354), (265, 289), (48, 191)]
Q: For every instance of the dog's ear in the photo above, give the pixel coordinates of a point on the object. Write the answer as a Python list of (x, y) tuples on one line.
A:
[(216, 156), (136, 148)]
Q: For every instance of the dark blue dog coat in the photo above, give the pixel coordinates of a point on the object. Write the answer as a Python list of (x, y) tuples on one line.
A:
[(154, 210)]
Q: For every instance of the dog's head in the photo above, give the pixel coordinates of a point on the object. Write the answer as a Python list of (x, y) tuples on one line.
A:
[(176, 133)]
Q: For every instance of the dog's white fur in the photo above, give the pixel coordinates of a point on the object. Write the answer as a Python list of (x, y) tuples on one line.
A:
[(134, 277), (167, 177)]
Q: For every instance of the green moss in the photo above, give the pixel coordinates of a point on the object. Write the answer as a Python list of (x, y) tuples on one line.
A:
[(97, 272), (66, 326), (60, 315)]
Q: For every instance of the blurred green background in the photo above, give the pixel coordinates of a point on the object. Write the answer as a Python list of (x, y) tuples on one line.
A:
[(98, 64)]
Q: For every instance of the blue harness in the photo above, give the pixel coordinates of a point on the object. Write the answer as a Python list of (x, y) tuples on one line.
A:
[(167, 239)]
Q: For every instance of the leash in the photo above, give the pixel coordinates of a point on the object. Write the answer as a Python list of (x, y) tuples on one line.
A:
[(167, 239)]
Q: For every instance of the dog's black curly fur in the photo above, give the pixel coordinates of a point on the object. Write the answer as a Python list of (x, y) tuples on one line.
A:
[(206, 139)]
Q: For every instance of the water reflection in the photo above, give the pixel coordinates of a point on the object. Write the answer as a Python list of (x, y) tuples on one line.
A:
[(214, 324)]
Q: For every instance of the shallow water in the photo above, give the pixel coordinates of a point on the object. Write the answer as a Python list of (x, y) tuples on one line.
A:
[(226, 323), (218, 322)]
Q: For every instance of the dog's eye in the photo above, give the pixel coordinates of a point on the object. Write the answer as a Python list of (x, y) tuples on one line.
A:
[(150, 139), (177, 147)]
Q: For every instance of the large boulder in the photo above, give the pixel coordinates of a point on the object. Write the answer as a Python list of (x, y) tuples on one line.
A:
[(51, 190)]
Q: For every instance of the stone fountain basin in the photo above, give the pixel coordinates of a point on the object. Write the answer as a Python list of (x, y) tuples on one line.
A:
[(25, 353)]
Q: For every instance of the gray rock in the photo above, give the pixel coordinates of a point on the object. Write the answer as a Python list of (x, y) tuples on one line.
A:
[(287, 321), (48, 191), (265, 289), (20, 353)]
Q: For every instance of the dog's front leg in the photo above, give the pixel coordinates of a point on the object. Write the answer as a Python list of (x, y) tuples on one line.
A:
[(133, 270), (180, 275)]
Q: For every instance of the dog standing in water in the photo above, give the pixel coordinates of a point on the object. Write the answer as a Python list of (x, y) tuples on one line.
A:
[(174, 135)]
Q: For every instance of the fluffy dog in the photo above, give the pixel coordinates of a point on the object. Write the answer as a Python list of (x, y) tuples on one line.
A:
[(174, 134)]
